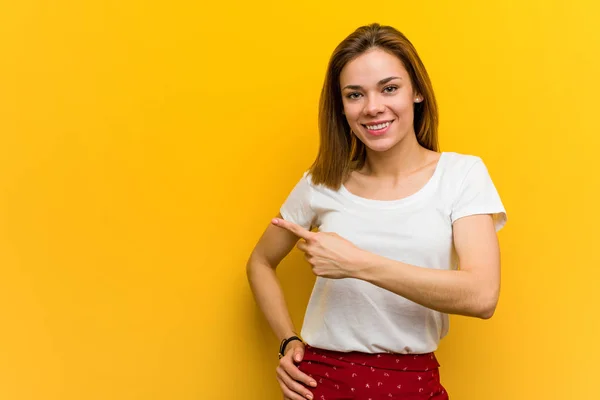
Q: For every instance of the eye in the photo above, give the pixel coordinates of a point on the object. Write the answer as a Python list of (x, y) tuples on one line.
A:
[(353, 95), (390, 89)]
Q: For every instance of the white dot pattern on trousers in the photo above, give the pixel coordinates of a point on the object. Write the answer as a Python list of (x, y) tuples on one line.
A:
[(367, 382)]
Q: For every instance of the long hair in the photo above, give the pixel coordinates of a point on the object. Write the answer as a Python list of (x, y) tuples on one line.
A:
[(340, 152)]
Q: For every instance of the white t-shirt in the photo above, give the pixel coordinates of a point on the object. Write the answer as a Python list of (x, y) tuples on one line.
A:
[(354, 315)]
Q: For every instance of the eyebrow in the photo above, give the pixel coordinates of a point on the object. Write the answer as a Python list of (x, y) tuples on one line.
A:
[(381, 82)]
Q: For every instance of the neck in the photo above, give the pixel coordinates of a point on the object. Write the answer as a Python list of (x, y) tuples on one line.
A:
[(398, 161)]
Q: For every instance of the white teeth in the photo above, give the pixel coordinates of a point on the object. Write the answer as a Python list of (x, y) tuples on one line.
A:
[(379, 126)]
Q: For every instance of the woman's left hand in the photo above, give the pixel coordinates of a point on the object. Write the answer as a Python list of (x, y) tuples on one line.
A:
[(330, 255)]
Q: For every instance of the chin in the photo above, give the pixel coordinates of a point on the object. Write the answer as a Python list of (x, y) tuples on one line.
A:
[(379, 149), (381, 145)]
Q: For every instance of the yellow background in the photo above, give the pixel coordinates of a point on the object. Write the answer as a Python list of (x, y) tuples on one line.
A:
[(144, 146)]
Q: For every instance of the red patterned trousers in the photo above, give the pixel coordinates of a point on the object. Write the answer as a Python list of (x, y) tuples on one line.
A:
[(362, 376)]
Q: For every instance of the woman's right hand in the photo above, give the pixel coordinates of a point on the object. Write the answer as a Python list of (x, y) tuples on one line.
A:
[(290, 376)]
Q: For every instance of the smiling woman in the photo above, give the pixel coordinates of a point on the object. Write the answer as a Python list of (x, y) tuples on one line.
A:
[(372, 110), (414, 229)]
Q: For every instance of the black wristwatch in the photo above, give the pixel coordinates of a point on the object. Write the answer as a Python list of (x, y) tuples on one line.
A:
[(285, 342)]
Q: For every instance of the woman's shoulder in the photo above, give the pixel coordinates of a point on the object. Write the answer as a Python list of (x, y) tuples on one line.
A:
[(307, 178), (461, 160), (308, 183), (457, 166)]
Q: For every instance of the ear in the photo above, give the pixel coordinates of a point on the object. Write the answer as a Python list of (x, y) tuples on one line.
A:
[(418, 98)]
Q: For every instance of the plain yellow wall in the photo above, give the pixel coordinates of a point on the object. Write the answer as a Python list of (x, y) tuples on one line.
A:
[(144, 146)]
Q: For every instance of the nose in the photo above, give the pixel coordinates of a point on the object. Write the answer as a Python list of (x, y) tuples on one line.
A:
[(373, 106)]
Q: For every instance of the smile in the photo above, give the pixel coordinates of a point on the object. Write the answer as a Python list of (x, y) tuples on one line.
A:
[(378, 128)]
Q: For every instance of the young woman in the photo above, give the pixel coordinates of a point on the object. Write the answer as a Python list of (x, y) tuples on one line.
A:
[(398, 234)]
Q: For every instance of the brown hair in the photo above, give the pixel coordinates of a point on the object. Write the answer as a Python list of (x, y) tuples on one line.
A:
[(340, 152)]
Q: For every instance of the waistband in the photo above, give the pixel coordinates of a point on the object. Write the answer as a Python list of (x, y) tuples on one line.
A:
[(391, 361)]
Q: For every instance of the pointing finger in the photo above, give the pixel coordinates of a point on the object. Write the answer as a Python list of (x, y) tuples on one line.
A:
[(294, 228)]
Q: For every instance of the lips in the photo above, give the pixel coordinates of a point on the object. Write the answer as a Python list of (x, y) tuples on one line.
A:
[(378, 127)]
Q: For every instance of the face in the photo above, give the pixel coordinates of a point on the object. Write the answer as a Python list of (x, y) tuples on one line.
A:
[(378, 99)]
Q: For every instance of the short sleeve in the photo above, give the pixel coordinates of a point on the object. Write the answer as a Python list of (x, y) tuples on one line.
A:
[(297, 207), (478, 195)]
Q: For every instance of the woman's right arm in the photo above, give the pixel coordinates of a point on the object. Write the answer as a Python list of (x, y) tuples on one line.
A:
[(272, 247)]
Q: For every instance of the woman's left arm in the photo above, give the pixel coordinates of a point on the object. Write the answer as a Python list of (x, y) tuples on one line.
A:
[(473, 290)]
